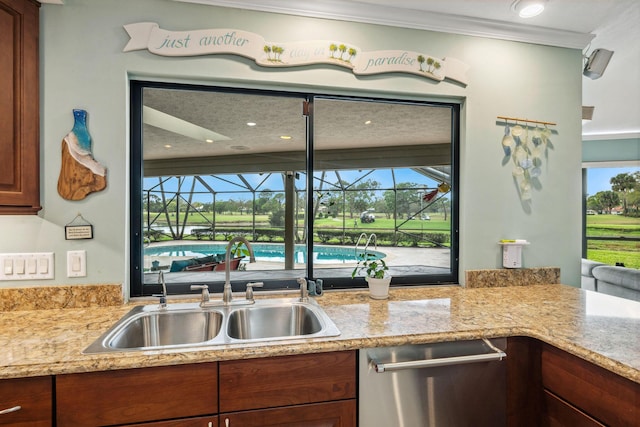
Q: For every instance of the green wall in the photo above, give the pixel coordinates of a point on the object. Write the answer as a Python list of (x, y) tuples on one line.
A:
[(611, 150), (83, 66)]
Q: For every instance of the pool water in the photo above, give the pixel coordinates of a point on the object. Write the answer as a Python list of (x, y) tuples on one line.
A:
[(267, 252)]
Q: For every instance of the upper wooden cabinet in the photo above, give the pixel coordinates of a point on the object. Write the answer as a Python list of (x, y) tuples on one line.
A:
[(19, 108)]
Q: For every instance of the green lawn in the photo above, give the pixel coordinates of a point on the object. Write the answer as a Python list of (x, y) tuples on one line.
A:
[(612, 252)]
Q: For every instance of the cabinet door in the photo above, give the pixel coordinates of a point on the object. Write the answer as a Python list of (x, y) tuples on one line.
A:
[(287, 380), (330, 414), (136, 395), (19, 107), (26, 402)]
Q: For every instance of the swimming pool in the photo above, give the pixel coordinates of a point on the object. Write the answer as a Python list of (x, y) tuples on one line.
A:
[(267, 252)]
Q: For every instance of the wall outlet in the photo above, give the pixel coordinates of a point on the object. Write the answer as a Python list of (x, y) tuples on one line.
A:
[(27, 266), (76, 263)]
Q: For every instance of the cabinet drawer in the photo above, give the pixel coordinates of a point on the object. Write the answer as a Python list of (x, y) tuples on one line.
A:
[(330, 414), (605, 396), (559, 413), (33, 396), (136, 395), (287, 380)]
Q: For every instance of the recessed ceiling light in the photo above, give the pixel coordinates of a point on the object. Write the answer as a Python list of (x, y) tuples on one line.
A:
[(208, 140), (368, 122), (250, 124), (528, 8), (167, 146), (285, 137)]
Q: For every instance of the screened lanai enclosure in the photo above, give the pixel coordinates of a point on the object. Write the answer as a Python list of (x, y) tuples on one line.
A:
[(310, 181)]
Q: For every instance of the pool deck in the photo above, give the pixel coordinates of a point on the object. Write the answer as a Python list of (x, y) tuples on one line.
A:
[(399, 259)]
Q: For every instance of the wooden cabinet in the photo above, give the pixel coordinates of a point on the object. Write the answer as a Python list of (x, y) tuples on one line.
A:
[(310, 390), (550, 387), (577, 392), (138, 395), (302, 390), (19, 107), (329, 414), (184, 422), (26, 402)]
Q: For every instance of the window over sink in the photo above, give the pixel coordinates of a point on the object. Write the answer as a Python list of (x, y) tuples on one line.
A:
[(309, 180)]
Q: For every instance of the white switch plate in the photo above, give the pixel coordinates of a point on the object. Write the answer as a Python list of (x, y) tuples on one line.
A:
[(76, 263), (21, 266)]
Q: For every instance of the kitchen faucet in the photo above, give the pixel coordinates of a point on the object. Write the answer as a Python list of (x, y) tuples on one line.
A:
[(226, 292), (163, 297)]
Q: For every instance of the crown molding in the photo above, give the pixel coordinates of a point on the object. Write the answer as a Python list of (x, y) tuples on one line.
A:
[(408, 18)]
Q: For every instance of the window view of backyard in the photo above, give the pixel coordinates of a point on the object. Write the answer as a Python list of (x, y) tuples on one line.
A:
[(613, 216), (310, 182)]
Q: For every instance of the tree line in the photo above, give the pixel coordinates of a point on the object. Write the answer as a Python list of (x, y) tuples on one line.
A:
[(625, 193)]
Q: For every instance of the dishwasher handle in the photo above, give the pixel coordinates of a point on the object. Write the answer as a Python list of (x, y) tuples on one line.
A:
[(496, 354)]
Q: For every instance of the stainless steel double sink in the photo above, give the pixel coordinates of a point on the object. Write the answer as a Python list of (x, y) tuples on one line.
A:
[(184, 325)]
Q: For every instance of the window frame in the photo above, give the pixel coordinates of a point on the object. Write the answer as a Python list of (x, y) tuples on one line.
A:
[(138, 288)]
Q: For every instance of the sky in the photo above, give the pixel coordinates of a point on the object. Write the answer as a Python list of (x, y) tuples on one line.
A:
[(598, 179)]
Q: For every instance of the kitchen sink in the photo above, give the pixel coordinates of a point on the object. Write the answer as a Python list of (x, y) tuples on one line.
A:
[(151, 327), (277, 321)]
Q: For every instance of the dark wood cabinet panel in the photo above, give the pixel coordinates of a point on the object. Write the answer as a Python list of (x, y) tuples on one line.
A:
[(330, 414), (19, 107), (604, 396), (560, 413), (287, 380), (524, 384), (136, 395), (185, 422), (34, 396)]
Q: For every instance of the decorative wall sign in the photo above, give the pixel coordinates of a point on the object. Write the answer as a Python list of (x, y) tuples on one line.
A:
[(149, 36), (78, 229), (80, 173)]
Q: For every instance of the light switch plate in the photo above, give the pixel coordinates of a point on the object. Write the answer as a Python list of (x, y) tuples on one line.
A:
[(76, 263), (27, 266)]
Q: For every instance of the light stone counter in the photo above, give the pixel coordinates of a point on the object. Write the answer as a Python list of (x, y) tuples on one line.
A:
[(602, 329)]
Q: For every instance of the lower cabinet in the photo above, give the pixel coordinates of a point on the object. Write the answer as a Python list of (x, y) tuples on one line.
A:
[(550, 387), (579, 393), (132, 396), (329, 414), (313, 390), (26, 402)]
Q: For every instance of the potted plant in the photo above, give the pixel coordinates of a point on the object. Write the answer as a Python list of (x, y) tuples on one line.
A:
[(375, 272)]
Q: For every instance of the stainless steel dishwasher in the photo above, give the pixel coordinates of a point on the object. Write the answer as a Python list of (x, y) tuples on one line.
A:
[(452, 384)]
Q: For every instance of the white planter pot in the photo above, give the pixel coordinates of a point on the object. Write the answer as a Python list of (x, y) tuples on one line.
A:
[(379, 288)]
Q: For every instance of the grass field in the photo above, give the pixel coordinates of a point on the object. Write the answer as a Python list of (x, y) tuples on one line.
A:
[(612, 252)]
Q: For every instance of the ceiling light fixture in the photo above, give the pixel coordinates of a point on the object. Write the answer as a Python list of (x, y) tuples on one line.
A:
[(209, 141), (285, 137), (251, 124), (528, 8)]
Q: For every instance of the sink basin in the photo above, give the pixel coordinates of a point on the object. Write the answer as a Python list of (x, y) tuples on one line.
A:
[(278, 321), (150, 327), (167, 328)]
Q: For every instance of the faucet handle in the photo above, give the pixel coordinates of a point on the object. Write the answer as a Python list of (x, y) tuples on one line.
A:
[(250, 286), (205, 292)]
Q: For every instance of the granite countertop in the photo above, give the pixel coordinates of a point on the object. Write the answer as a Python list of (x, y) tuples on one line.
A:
[(602, 329)]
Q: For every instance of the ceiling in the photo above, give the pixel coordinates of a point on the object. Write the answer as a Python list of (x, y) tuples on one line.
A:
[(579, 24)]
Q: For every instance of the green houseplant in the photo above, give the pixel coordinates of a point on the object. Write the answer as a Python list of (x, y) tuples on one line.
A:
[(375, 272)]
